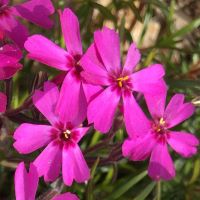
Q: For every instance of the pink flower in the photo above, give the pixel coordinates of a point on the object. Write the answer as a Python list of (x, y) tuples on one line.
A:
[(3, 102), (155, 134), (102, 66), (66, 196), (35, 11), (26, 184), (73, 89), (61, 139), (9, 61)]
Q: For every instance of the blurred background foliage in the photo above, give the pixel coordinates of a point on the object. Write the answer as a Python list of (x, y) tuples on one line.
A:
[(167, 32)]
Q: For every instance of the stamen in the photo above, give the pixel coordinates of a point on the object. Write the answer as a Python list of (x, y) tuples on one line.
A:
[(67, 134), (121, 79), (160, 126), (162, 121)]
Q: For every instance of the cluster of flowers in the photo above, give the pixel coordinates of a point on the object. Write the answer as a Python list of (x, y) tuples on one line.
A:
[(93, 85)]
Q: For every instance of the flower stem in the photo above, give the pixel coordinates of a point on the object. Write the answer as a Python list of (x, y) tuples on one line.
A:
[(158, 190)]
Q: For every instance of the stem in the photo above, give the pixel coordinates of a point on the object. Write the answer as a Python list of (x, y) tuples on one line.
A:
[(158, 190), (8, 91)]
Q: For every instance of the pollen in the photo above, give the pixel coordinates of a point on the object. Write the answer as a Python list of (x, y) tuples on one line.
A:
[(121, 80), (160, 126), (162, 122), (67, 134)]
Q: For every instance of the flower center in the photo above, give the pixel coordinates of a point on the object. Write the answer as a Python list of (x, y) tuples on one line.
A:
[(66, 135), (122, 80), (78, 67), (160, 126)]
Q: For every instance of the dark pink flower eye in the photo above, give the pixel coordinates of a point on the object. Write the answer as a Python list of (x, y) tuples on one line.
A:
[(160, 127)]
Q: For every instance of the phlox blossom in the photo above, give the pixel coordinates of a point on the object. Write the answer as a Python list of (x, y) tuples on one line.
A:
[(60, 138), (10, 56), (35, 11), (74, 92), (102, 67), (26, 184), (150, 137)]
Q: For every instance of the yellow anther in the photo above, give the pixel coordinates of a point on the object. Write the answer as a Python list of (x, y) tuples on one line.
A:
[(121, 79), (120, 83), (162, 121), (67, 133)]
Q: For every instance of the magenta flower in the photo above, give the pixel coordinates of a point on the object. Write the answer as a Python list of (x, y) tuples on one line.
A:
[(35, 11), (26, 184), (9, 61), (101, 64), (60, 137), (66, 196), (74, 92), (155, 134), (3, 102)]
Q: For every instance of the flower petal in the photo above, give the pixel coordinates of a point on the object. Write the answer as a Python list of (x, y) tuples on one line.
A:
[(10, 51), (45, 101), (48, 163), (101, 109), (156, 100), (4, 2), (183, 143), (161, 165), (91, 91), (135, 120), (71, 32), (9, 58), (66, 196), (132, 59), (3, 104), (94, 71), (26, 183), (177, 111), (45, 51), (35, 10), (72, 103), (74, 165), (30, 137), (79, 133), (14, 30), (144, 79), (134, 148), (175, 103), (108, 45)]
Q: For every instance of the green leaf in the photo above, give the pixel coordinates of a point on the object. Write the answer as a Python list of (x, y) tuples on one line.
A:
[(134, 9), (183, 83), (160, 4), (186, 29), (176, 37), (95, 138), (118, 192), (89, 189), (103, 10), (196, 172), (146, 191), (94, 167), (147, 19)]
